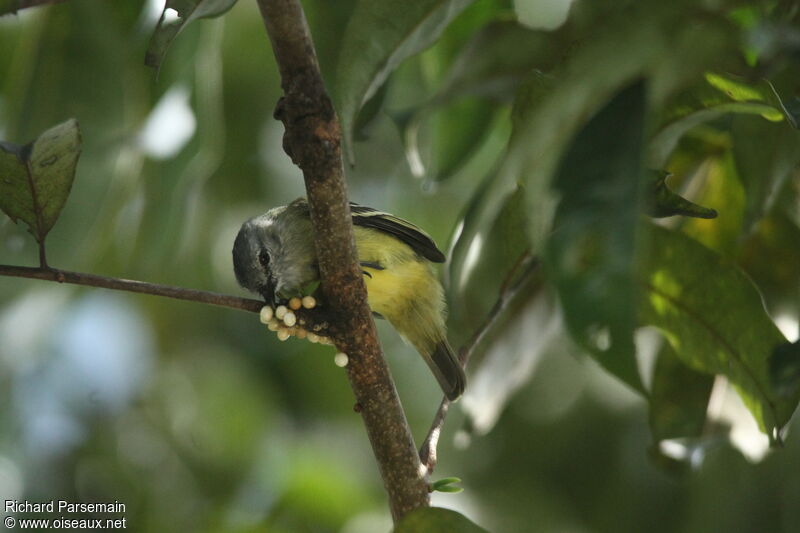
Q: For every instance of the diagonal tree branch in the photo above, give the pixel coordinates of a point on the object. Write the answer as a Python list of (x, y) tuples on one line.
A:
[(312, 140)]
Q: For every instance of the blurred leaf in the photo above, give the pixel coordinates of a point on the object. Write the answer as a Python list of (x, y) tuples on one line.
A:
[(497, 59), (713, 317), (370, 110), (8, 6), (770, 256), (784, 369), (764, 166), (436, 520), (665, 141), (549, 109), (483, 256), (590, 254), (678, 398), (35, 179), (177, 14), (718, 185), (716, 97), (459, 128), (662, 202), (377, 39), (509, 353), (786, 98)]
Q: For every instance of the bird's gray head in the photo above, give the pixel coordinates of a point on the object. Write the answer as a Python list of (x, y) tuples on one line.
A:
[(273, 254), (256, 242)]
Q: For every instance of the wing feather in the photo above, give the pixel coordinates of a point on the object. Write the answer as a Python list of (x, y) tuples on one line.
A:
[(367, 217), (418, 240)]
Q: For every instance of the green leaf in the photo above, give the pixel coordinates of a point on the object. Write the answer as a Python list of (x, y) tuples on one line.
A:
[(378, 38), (678, 398), (436, 520), (784, 369), (497, 59), (486, 250), (714, 319), (764, 166), (718, 96), (662, 202), (510, 352), (445, 481), (35, 179), (177, 14), (665, 141), (458, 131), (445, 485), (590, 256)]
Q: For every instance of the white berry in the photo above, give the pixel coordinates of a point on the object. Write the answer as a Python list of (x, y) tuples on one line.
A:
[(266, 314), (290, 319), (313, 337), (280, 311), (309, 302), (283, 334), (340, 359), (273, 325)]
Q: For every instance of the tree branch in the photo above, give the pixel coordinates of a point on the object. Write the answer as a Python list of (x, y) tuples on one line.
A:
[(91, 280), (312, 140), (525, 267)]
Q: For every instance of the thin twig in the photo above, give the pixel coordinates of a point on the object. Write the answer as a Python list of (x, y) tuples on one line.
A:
[(92, 280), (313, 141), (525, 267)]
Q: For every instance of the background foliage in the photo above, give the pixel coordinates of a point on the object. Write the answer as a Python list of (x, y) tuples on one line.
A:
[(636, 381)]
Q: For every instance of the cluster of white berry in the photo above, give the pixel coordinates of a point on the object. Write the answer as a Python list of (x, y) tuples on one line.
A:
[(283, 321)]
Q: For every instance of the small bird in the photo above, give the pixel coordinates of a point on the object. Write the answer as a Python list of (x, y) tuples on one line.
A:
[(274, 256)]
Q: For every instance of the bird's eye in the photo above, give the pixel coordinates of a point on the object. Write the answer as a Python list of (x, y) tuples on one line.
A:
[(263, 258)]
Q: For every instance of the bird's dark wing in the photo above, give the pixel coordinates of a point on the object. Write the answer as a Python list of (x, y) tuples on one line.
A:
[(418, 240), (367, 217)]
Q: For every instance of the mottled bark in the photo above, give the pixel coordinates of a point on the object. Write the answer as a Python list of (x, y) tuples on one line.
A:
[(313, 141)]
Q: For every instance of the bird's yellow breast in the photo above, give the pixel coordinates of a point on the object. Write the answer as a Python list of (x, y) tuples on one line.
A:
[(405, 281)]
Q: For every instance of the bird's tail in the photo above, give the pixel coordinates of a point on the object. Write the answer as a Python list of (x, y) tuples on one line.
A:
[(448, 370)]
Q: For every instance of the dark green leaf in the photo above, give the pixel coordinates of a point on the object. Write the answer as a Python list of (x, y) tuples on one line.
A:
[(763, 166), (660, 201), (590, 256), (784, 369), (377, 39), (678, 398), (436, 520), (714, 318), (665, 141), (35, 179), (177, 14), (497, 60), (716, 97)]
